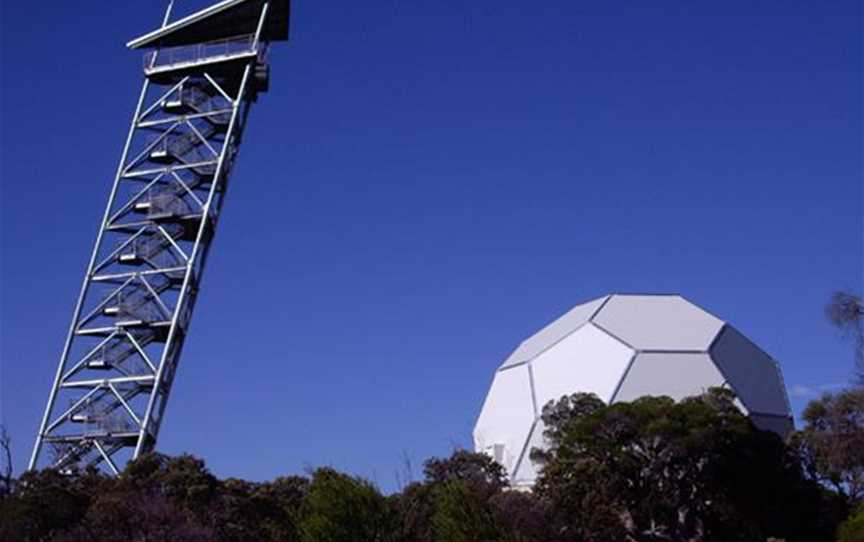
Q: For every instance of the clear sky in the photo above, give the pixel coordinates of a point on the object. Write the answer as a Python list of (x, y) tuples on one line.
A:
[(428, 183)]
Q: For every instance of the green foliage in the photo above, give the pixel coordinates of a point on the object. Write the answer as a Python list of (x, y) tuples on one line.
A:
[(341, 508), (479, 472), (465, 497), (155, 498), (558, 417), (44, 502), (852, 530), (692, 470), (415, 507), (183, 481), (522, 517), (462, 515), (120, 517), (832, 441), (650, 470), (266, 511)]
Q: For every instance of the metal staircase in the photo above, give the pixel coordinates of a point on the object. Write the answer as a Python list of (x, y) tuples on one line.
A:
[(115, 374)]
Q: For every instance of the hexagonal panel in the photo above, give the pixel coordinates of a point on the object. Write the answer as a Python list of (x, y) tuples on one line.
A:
[(677, 375), (588, 360), (554, 332), (658, 322), (506, 417), (751, 373)]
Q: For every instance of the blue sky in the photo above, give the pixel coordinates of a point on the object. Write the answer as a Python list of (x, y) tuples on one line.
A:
[(428, 183)]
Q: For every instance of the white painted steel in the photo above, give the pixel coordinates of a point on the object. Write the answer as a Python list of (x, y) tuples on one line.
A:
[(526, 471), (507, 415), (124, 343), (622, 347), (677, 375), (588, 360), (753, 375), (658, 322), (554, 332)]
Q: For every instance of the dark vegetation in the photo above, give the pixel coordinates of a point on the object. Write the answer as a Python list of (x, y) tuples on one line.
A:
[(650, 470)]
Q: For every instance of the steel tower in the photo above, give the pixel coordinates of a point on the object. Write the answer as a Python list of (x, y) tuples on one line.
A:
[(201, 74)]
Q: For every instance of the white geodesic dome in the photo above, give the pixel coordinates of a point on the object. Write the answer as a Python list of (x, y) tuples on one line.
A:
[(621, 347)]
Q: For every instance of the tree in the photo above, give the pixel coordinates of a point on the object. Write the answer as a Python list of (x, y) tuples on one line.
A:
[(466, 497), (845, 310), (523, 517), (558, 417), (655, 469), (46, 502), (852, 530), (832, 442), (650, 470), (140, 515), (156, 498), (184, 481), (462, 515), (414, 507), (6, 479), (429, 508), (342, 508), (284, 497), (478, 472)]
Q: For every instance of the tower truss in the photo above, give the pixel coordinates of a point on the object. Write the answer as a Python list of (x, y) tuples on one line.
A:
[(202, 74)]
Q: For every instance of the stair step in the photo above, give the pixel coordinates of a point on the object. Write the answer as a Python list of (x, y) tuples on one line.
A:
[(176, 106), (129, 258), (161, 156), (98, 364)]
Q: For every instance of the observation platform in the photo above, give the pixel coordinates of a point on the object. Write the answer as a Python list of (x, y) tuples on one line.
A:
[(220, 37), (189, 57)]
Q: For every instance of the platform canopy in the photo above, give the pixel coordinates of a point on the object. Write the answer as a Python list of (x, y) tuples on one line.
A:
[(225, 19)]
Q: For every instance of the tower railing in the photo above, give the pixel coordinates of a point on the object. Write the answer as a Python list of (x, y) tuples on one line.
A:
[(200, 53)]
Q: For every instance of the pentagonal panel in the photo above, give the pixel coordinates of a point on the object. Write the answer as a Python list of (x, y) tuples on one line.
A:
[(658, 322), (751, 373), (554, 332), (506, 417), (782, 425), (677, 375), (588, 360), (526, 471)]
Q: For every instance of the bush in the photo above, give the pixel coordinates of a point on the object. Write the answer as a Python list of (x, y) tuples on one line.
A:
[(341, 508), (653, 469), (852, 530)]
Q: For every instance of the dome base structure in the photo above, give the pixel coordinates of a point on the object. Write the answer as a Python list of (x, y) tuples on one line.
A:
[(621, 347)]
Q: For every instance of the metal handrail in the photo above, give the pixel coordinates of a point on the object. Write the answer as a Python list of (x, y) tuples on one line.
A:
[(200, 52)]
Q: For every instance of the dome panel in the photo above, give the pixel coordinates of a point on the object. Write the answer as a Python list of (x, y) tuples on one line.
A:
[(506, 417), (630, 346), (782, 425), (751, 373), (526, 471), (554, 332), (588, 360), (658, 322), (677, 375)]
